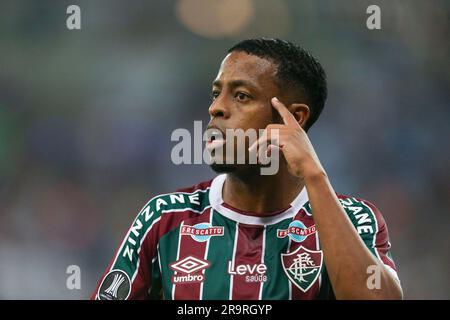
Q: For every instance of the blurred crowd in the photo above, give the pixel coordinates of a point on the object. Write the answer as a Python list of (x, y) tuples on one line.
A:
[(86, 118)]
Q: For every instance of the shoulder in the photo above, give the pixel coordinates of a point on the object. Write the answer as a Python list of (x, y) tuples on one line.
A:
[(193, 198), (146, 224), (190, 199)]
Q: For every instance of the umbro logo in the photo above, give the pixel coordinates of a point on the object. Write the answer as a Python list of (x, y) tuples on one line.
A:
[(189, 270)]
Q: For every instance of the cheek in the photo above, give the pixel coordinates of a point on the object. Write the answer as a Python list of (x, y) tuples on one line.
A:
[(257, 117)]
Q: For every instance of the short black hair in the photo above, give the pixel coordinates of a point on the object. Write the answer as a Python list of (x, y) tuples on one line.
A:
[(297, 70)]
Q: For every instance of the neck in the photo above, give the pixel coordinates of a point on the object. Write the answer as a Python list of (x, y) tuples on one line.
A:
[(261, 195)]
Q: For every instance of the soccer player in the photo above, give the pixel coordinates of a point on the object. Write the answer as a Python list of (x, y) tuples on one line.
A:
[(244, 235)]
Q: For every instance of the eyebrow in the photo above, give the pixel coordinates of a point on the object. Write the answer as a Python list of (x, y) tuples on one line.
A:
[(235, 83)]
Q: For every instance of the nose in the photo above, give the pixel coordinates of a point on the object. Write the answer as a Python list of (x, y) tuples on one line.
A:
[(218, 109)]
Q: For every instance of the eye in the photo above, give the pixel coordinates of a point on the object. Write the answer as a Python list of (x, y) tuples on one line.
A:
[(214, 94), (242, 96)]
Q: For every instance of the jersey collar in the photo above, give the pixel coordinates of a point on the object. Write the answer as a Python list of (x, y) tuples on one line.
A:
[(216, 201)]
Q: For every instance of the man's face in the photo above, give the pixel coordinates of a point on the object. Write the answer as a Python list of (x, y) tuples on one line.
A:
[(241, 100)]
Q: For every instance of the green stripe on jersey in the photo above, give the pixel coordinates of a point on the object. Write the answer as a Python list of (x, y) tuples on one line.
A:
[(168, 249), (277, 285), (220, 252)]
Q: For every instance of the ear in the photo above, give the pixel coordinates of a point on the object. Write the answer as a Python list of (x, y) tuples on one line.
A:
[(301, 113)]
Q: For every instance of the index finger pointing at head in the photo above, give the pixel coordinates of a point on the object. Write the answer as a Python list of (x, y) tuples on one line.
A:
[(286, 115)]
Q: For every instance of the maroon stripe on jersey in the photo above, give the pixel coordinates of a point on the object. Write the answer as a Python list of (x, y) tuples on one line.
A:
[(249, 250), (382, 237), (190, 247), (170, 221), (309, 243), (142, 281)]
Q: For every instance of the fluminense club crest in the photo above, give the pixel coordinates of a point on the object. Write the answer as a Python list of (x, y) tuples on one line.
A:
[(302, 267)]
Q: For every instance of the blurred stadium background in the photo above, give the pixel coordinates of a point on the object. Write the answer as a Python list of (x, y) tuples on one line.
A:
[(86, 118)]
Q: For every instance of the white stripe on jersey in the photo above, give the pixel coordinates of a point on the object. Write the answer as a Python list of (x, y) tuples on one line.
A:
[(233, 260), (262, 260), (178, 257), (206, 252)]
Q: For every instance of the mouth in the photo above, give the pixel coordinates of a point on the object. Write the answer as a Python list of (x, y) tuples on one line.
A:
[(214, 138), (214, 144)]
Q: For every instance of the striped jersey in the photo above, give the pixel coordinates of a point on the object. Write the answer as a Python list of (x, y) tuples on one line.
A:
[(189, 244)]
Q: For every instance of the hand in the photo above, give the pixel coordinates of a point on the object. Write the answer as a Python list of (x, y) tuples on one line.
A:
[(292, 141)]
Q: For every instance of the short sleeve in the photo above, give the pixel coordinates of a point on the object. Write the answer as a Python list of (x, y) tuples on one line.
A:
[(372, 228)]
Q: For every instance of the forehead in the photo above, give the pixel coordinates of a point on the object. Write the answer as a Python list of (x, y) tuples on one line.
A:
[(243, 66)]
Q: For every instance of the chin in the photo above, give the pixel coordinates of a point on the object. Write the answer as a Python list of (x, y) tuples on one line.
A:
[(223, 168), (241, 170)]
